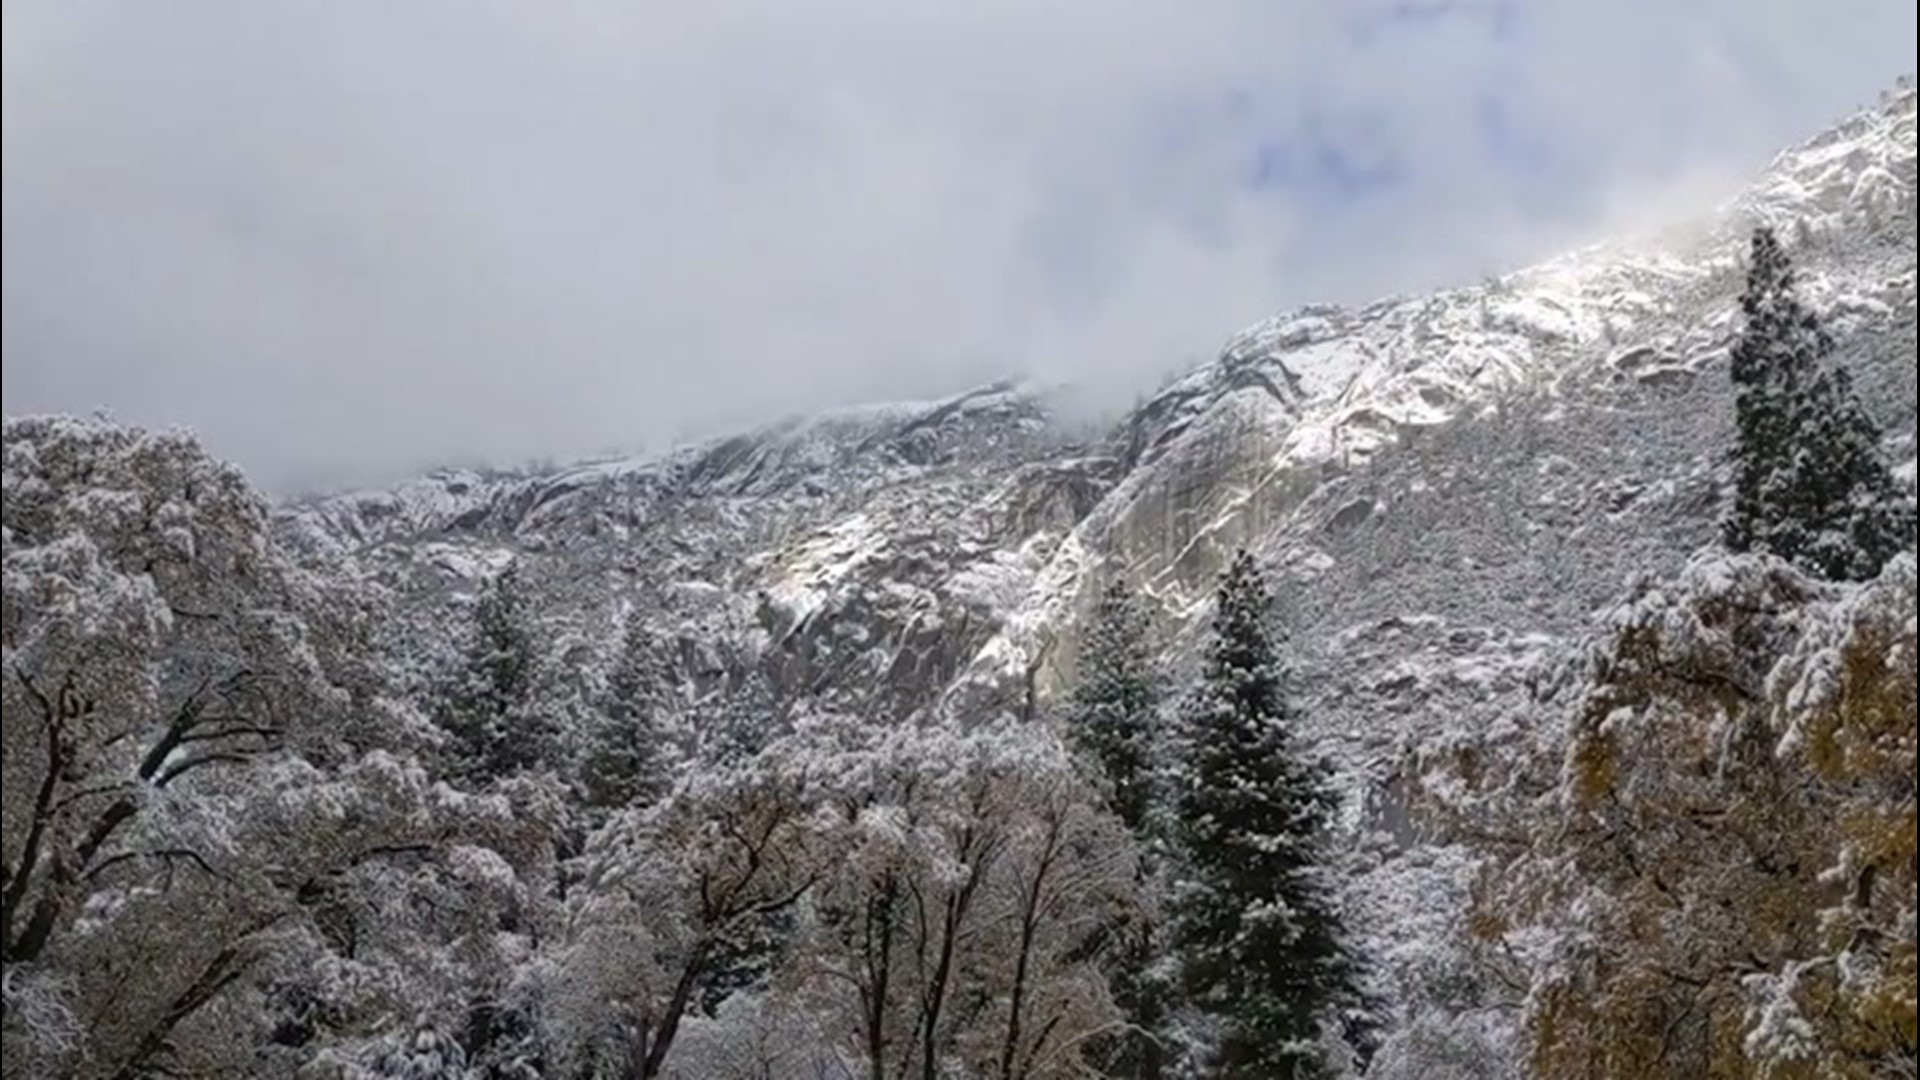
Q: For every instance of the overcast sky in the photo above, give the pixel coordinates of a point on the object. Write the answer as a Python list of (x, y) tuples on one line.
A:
[(343, 239)]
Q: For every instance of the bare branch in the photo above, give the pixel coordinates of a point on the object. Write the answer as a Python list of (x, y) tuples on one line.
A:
[(174, 772), (167, 854), (16, 887)]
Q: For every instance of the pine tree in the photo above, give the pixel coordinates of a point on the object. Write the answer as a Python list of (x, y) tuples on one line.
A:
[(1111, 720), (1811, 484), (736, 721), (627, 751), (427, 1054), (488, 707), (1111, 716), (1263, 947)]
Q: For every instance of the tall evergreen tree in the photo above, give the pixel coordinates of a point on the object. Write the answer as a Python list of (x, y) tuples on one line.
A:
[(488, 706), (1111, 715), (1263, 946), (1112, 720), (1811, 484), (628, 749), (737, 720)]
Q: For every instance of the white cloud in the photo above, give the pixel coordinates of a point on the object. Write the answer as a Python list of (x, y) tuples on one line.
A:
[(346, 238)]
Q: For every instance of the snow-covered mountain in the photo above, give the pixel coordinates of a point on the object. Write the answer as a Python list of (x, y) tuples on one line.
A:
[(736, 760), (1453, 485), (1457, 476)]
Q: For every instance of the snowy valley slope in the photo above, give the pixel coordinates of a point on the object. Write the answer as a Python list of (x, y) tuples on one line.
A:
[(1453, 487), (1461, 476)]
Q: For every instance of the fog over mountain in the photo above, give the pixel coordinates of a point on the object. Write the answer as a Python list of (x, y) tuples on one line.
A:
[(345, 241), (742, 541)]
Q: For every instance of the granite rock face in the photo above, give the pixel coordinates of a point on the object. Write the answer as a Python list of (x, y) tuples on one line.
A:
[(1497, 455), (1451, 485)]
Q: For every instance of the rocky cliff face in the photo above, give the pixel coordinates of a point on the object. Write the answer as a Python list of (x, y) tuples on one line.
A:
[(1452, 483), (1483, 464)]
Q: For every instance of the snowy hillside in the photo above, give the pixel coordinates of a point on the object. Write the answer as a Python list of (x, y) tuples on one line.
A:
[(1454, 486), (1521, 445), (937, 739), (1300, 407)]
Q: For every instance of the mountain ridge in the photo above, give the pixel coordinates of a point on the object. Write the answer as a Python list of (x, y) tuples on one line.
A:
[(548, 761), (985, 531)]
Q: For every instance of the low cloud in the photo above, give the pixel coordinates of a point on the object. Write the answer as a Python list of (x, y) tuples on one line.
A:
[(346, 239)]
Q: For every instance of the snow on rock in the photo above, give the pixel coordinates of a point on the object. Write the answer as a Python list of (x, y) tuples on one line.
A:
[(823, 562), (1451, 488), (1230, 452), (997, 582), (1325, 369)]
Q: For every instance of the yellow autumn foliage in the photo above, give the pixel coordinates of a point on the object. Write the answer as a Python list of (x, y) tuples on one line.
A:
[(1716, 877)]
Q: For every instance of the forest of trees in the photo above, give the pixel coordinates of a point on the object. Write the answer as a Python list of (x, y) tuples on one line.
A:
[(238, 843), (1703, 866), (235, 847)]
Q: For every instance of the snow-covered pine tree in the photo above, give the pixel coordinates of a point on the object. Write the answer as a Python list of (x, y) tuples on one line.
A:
[(427, 1054), (487, 705), (1111, 715), (1263, 947), (1811, 484), (1111, 721), (736, 721), (627, 751)]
